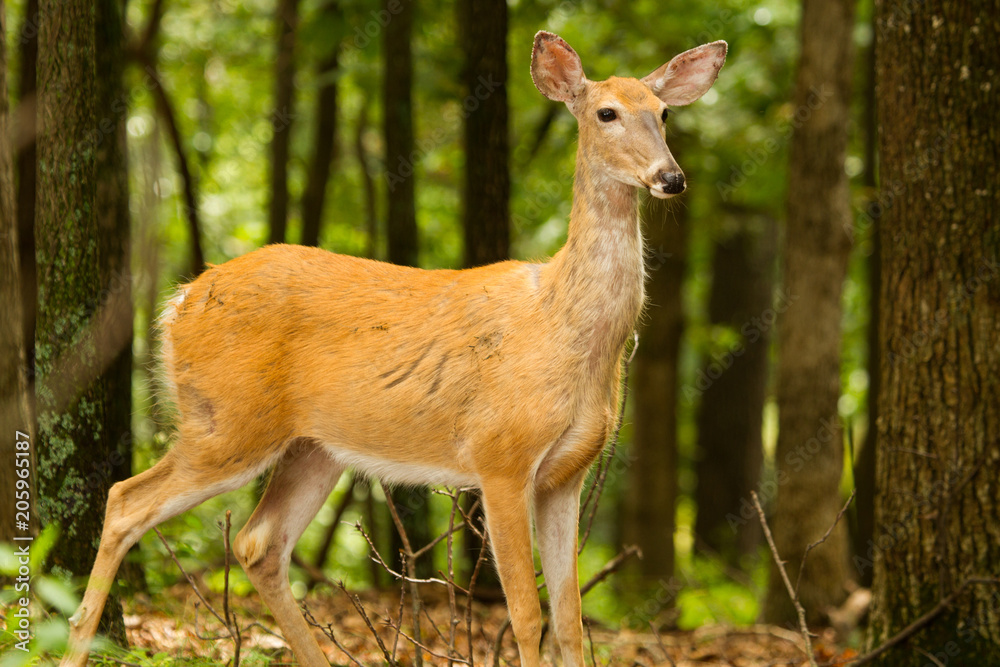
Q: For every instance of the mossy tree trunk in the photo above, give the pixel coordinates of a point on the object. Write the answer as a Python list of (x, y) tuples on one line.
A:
[(810, 452), (76, 339), (937, 512)]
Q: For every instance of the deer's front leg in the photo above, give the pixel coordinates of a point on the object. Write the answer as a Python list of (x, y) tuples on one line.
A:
[(557, 519), (508, 519)]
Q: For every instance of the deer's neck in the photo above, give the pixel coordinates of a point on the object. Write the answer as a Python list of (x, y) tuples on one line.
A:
[(597, 277)]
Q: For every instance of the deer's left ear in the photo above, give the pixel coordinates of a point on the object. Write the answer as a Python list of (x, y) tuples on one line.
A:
[(689, 75)]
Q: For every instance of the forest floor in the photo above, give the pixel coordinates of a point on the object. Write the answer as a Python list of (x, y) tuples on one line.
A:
[(177, 629)]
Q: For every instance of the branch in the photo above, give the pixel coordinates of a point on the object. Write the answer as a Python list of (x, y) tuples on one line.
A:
[(803, 628), (829, 531)]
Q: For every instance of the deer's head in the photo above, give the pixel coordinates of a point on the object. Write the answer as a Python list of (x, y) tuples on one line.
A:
[(621, 119)]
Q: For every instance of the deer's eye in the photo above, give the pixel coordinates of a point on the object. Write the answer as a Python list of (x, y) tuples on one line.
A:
[(606, 115), (663, 116)]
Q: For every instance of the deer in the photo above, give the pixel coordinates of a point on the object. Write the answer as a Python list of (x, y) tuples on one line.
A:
[(505, 377)]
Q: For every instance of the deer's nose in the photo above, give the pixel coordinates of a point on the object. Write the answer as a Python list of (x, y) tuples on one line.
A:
[(673, 182)]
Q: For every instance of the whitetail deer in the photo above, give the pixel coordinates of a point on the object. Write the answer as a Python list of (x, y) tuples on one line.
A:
[(504, 377)]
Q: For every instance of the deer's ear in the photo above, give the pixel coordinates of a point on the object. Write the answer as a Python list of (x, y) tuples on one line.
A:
[(689, 75), (555, 68)]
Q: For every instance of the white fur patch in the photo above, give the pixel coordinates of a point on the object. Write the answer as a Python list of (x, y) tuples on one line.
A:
[(396, 472)]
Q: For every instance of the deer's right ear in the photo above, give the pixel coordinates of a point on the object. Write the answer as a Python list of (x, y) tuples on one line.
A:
[(555, 68)]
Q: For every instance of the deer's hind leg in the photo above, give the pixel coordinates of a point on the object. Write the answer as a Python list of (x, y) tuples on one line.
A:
[(300, 483), (174, 485)]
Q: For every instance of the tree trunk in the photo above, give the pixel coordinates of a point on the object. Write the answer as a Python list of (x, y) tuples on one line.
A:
[(400, 157), (325, 151), (27, 120), (810, 455), (286, 19), (864, 464), (412, 503), (112, 212), (14, 414), (482, 26), (486, 201), (71, 393), (937, 509), (648, 502), (733, 387)]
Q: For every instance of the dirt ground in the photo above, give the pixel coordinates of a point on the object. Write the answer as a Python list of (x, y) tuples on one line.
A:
[(181, 627)]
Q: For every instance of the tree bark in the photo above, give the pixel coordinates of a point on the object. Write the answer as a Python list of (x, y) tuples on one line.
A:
[(648, 502), (809, 455), (286, 19), (486, 200), (75, 336), (937, 510), (400, 158), (733, 388), (325, 151), (14, 411)]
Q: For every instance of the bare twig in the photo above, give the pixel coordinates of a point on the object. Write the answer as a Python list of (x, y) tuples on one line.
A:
[(328, 631), (421, 647), (411, 569), (659, 642), (590, 640), (803, 627), (231, 624), (189, 578), (233, 630), (610, 567), (472, 587), (498, 644), (597, 488), (364, 616), (452, 606), (826, 535)]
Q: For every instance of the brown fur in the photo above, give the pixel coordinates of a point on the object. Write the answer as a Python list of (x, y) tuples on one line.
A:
[(505, 377)]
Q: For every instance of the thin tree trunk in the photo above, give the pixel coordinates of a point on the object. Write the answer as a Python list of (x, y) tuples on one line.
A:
[(24, 140), (325, 150), (371, 196), (112, 212), (937, 509), (71, 393), (400, 157), (486, 200), (412, 503), (14, 412), (864, 466), (287, 19), (651, 489), (733, 387), (810, 455), (486, 191)]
